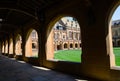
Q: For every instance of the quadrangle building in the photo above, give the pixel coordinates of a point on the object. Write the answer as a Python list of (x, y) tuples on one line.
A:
[(116, 33), (66, 34)]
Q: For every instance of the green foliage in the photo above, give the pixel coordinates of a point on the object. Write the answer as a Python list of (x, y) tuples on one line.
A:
[(68, 55)]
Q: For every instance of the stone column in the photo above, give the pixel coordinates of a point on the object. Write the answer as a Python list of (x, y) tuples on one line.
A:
[(50, 46)]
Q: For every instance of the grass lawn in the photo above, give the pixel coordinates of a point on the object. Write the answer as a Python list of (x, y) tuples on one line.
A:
[(68, 55), (75, 55), (117, 55)]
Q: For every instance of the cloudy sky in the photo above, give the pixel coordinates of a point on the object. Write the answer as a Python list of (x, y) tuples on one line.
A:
[(116, 15)]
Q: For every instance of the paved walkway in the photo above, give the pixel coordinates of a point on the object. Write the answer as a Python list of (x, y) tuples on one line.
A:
[(14, 70)]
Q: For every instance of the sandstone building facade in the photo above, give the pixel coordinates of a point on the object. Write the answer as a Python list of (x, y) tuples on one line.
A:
[(116, 33), (66, 34)]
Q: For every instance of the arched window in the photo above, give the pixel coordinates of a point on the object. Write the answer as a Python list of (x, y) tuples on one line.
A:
[(11, 46), (71, 45), (65, 45), (18, 45), (31, 47), (76, 45), (62, 46)]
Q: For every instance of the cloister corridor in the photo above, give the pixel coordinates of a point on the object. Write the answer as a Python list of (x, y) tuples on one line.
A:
[(33, 33)]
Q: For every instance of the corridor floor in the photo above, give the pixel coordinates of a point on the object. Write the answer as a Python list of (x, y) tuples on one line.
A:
[(14, 70)]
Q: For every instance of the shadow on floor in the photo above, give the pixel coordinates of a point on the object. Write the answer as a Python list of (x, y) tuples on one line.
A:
[(14, 70)]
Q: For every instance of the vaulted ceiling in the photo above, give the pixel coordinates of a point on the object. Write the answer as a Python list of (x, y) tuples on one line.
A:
[(16, 13)]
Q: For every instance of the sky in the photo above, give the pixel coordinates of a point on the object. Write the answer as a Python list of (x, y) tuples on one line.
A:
[(70, 18), (116, 14)]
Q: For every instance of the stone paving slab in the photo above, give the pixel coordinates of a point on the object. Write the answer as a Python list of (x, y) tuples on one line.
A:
[(14, 70)]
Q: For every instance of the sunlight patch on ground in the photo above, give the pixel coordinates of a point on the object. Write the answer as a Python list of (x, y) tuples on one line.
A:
[(42, 68), (21, 61), (80, 80)]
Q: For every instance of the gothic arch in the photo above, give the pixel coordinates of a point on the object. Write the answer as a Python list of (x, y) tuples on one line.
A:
[(18, 45), (31, 46), (3, 47), (65, 46), (6, 47), (71, 45), (76, 45), (110, 41), (11, 46), (65, 40)]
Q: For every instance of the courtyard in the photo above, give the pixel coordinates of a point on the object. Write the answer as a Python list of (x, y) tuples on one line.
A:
[(75, 55)]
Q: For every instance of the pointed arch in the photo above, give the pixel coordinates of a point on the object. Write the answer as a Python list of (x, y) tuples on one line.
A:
[(18, 44), (63, 33), (31, 46), (65, 46), (6, 46), (11, 46), (3, 47), (113, 37)]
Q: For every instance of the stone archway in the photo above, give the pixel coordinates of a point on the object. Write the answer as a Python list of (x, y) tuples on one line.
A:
[(59, 47), (71, 45), (65, 46), (11, 46), (76, 45), (18, 45), (31, 44), (3, 47), (6, 46), (63, 36)]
